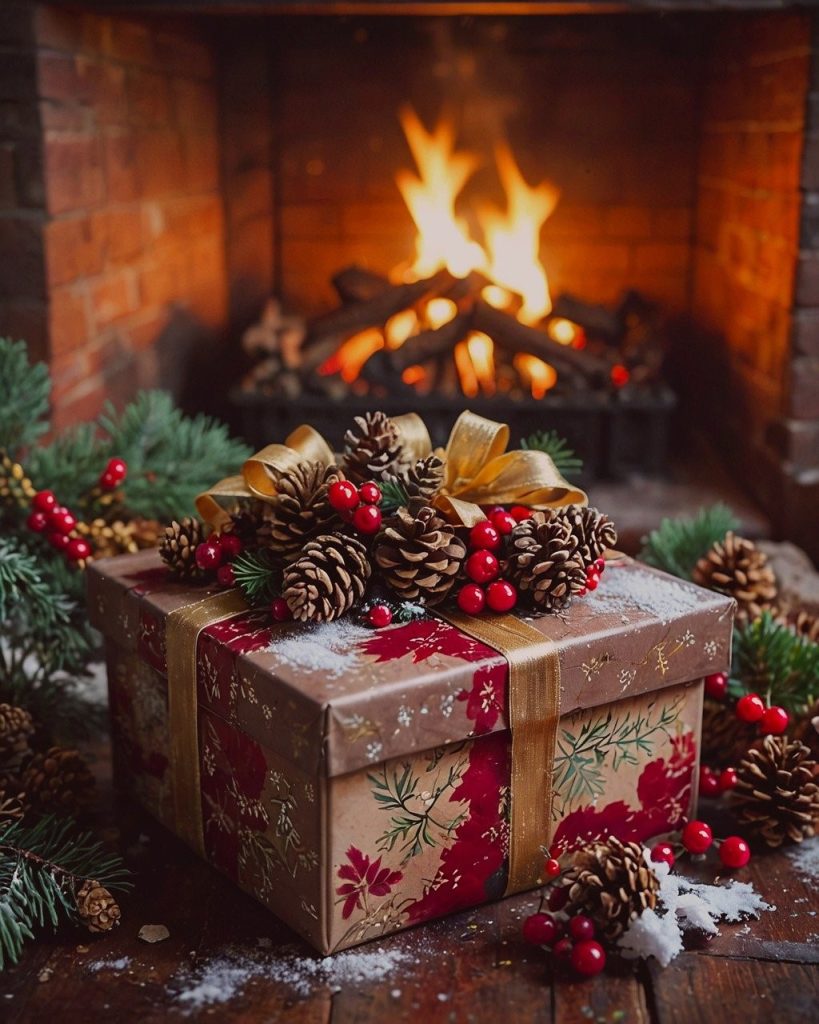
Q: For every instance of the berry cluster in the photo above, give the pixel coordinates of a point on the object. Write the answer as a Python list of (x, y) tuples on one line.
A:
[(113, 475), (58, 524), (773, 720), (713, 783), (216, 555), (697, 838), (357, 505)]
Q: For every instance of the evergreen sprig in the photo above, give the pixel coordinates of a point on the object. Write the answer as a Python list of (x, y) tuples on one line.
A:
[(566, 461), (772, 660), (258, 575), (42, 866), (393, 495), (677, 544), (24, 391)]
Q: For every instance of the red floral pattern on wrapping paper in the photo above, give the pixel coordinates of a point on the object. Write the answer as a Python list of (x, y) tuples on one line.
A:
[(486, 701), (129, 745), (363, 877), (219, 647), (151, 639), (664, 792), (424, 638), (474, 868)]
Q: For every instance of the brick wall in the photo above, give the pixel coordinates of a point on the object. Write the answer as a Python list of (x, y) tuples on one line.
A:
[(134, 226)]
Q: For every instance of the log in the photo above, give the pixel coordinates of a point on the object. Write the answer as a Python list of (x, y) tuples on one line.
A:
[(593, 319), (356, 284), (433, 343)]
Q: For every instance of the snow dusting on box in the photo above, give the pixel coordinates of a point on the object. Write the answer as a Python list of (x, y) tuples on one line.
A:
[(639, 590), (110, 965), (328, 647), (805, 858)]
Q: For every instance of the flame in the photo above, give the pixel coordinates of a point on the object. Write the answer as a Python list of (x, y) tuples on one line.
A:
[(400, 327), (440, 311), (496, 296), (562, 331), (414, 375), (466, 371), (481, 351), (540, 376), (353, 354)]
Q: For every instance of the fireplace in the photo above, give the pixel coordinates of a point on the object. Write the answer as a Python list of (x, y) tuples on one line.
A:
[(162, 175)]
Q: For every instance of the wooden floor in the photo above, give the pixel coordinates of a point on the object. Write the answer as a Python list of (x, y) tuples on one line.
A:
[(228, 959)]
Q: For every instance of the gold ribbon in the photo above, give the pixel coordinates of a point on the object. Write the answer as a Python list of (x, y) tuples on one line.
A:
[(534, 713), (182, 629), (477, 470)]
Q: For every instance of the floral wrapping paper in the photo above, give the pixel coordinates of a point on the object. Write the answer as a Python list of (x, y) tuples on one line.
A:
[(357, 782)]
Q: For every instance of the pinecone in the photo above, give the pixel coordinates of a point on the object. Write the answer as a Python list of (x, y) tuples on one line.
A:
[(806, 729), (11, 807), (611, 882), (328, 578), (15, 486), (594, 531), (804, 624), (424, 479), (98, 909), (302, 509), (16, 726), (178, 547), (544, 561), (57, 781), (419, 553), (776, 794), (726, 739), (738, 568), (372, 449)]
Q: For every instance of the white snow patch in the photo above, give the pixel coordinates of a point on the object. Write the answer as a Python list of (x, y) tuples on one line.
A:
[(328, 647), (805, 858), (622, 590), (110, 965)]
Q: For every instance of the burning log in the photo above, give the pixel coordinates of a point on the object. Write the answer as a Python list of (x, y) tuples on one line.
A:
[(433, 343), (355, 284), (593, 319)]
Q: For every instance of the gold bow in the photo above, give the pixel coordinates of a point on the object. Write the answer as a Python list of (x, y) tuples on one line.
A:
[(477, 470)]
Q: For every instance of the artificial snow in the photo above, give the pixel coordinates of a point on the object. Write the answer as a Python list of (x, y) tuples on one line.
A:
[(120, 964), (639, 590), (683, 904), (805, 858), (328, 647)]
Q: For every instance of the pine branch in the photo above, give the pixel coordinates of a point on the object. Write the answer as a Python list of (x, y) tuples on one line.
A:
[(258, 575), (773, 661), (678, 544), (24, 391), (42, 865), (393, 495), (566, 462)]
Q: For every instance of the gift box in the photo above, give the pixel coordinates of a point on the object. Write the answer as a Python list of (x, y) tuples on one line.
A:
[(360, 781)]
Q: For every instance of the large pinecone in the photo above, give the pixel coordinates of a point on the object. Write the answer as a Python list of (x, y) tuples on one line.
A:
[(593, 531), (16, 726), (177, 549), (612, 884), (544, 561), (776, 795), (301, 510), (419, 553), (372, 449), (328, 578), (726, 739), (736, 567), (97, 908), (57, 781)]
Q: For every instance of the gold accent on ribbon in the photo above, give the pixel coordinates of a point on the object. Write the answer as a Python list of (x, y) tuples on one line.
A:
[(534, 713), (182, 629)]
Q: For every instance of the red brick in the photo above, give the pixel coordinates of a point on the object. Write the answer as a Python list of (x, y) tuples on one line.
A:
[(120, 232), (672, 223), (628, 222), (58, 29), (63, 77), (73, 171), (195, 105), (159, 162), (149, 100), (80, 406), (131, 41), (56, 117), (69, 328), (661, 257), (201, 157), (146, 331), (250, 194), (161, 282), (120, 167), (112, 298), (73, 249)]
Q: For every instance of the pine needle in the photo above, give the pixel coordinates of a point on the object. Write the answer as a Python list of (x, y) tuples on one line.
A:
[(773, 661), (258, 575), (568, 464), (24, 391), (677, 544)]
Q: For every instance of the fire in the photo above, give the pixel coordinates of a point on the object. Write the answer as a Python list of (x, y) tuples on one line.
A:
[(539, 375), (353, 354)]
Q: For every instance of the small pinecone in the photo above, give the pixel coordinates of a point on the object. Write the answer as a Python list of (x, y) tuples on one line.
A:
[(612, 884), (15, 486), (178, 547), (726, 739), (372, 449), (302, 509), (806, 730), (98, 909), (738, 568), (544, 562), (419, 554), (57, 781), (16, 726), (327, 579), (804, 624), (594, 531), (776, 796), (424, 479), (12, 806)]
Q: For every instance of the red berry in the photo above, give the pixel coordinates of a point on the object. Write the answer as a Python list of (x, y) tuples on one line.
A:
[(58, 540), (107, 481), (503, 522), (552, 867), (562, 949), (558, 898), (379, 616), (588, 958), (485, 536), (61, 520), (599, 564), (663, 853), (209, 554), (774, 721), (230, 544), (225, 575), (541, 929), (709, 783), (520, 512), (37, 522), (582, 592), (118, 468), (727, 779), (501, 596), (581, 927), (370, 493), (44, 501), (77, 548), (697, 837), (280, 610), (367, 519), (342, 495), (471, 599), (482, 566), (716, 686), (734, 852), (750, 708), (592, 579)]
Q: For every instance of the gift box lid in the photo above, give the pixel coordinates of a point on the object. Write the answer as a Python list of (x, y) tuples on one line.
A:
[(335, 697)]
